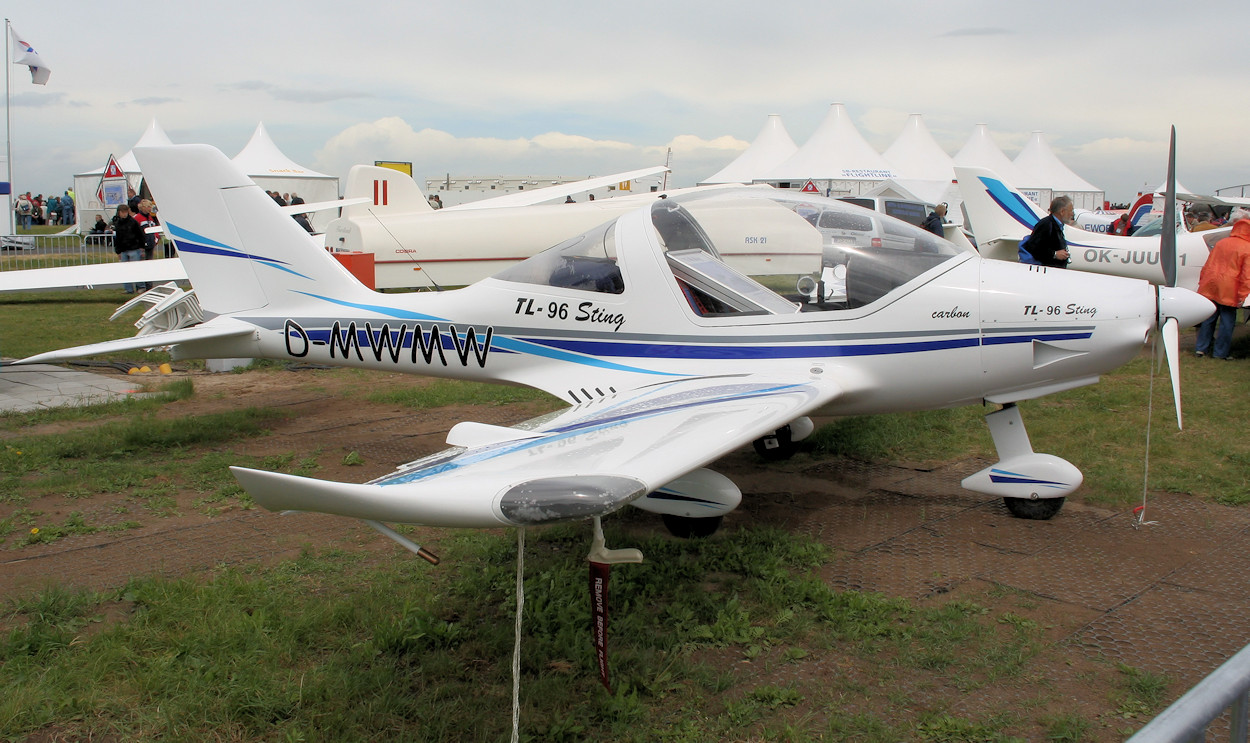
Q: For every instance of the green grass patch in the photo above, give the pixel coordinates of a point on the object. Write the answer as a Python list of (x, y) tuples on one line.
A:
[(36, 322), (334, 647)]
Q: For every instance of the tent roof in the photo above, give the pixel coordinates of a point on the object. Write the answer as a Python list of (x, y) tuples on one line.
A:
[(981, 152), (915, 155), (261, 157), (153, 136), (835, 151), (1043, 167), (771, 147)]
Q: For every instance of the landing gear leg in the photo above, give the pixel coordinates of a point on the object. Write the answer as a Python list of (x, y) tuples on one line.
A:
[(776, 446), (1032, 485)]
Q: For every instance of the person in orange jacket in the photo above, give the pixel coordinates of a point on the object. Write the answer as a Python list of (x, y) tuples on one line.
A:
[(1225, 280)]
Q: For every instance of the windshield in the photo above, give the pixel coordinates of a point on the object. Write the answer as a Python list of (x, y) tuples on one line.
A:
[(586, 262), (831, 256), (757, 251)]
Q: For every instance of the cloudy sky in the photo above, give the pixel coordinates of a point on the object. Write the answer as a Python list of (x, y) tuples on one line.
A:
[(577, 88)]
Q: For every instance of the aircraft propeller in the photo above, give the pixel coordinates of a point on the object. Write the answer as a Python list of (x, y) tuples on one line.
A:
[(1169, 328)]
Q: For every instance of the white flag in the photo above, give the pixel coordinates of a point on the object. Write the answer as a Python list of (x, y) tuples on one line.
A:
[(24, 53)]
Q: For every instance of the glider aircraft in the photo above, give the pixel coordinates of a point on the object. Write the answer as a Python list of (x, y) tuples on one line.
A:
[(668, 357), (416, 246), (1001, 216)]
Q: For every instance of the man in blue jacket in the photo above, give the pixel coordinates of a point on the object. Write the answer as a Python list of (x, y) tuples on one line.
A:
[(1046, 245)]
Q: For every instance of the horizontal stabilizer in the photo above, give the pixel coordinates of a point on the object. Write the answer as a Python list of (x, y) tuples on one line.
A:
[(216, 329)]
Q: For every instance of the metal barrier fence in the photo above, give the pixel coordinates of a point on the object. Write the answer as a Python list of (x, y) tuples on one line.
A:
[(19, 252), (1188, 717)]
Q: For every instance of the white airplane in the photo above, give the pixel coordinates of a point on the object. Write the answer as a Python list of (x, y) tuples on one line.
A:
[(384, 212), (668, 357), (416, 246), (1001, 216)]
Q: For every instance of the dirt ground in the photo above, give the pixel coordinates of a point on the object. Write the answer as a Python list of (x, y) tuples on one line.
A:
[(1172, 598)]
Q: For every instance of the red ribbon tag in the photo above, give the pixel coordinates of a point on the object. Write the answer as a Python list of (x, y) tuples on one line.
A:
[(599, 573)]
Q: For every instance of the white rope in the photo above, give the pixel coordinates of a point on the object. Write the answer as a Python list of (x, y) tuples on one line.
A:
[(516, 645)]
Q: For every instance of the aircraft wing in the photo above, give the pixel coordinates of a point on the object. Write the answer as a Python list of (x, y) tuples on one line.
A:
[(318, 206), (584, 461), (1213, 200), (95, 274), (537, 196), (220, 327)]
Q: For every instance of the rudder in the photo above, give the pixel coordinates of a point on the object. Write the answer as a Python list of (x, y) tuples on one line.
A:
[(240, 251)]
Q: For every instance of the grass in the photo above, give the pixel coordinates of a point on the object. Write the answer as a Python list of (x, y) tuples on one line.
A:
[(35, 322), (334, 646)]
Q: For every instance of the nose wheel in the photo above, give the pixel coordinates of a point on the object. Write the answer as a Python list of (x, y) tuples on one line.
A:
[(1036, 510), (689, 527)]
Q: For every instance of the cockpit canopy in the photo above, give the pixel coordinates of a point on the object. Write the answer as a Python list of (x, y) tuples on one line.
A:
[(755, 251)]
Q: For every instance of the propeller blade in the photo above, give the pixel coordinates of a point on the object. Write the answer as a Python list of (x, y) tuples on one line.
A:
[(1167, 238), (1171, 350)]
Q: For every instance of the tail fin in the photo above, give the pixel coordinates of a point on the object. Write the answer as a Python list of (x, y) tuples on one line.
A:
[(241, 252), (1143, 206), (1000, 215), (391, 192)]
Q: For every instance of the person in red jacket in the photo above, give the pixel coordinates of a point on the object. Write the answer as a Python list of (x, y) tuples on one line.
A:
[(1122, 226), (1225, 280)]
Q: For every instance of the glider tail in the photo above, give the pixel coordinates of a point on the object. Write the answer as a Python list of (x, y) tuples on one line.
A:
[(1000, 215), (240, 251)]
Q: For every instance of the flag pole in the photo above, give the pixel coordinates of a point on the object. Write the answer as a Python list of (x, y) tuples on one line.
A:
[(8, 128)]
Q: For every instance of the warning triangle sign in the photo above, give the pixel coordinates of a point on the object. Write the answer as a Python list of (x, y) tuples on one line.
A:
[(113, 170), (810, 187)]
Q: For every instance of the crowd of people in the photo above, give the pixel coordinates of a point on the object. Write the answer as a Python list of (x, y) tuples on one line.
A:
[(36, 210)]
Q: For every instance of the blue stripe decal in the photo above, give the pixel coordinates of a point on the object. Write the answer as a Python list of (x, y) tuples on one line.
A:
[(1003, 476), (189, 242), (475, 456), (1012, 203), (1001, 340), (675, 351)]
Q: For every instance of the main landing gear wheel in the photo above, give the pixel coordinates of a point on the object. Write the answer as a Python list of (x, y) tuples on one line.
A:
[(1037, 510), (776, 446), (689, 527)]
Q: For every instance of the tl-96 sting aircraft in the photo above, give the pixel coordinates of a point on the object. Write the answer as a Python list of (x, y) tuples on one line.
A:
[(668, 356)]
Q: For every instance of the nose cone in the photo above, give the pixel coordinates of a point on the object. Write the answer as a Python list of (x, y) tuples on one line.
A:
[(1189, 308)]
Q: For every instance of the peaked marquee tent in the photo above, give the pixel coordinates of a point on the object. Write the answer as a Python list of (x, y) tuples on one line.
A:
[(771, 147), (85, 184), (916, 156), (1042, 166), (261, 160), (837, 159)]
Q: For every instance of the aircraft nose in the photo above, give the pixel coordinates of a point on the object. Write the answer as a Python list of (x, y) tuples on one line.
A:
[(1188, 307)]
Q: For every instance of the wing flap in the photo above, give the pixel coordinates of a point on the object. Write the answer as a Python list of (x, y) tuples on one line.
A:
[(584, 461)]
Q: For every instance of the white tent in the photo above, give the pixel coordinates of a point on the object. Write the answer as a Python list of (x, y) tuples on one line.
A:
[(916, 156), (771, 147), (837, 159), (87, 184), (981, 152), (265, 164), (1043, 168)]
